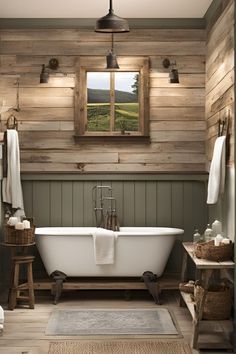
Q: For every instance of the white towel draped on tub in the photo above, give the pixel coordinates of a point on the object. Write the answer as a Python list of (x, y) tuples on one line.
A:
[(216, 181), (104, 246), (11, 185)]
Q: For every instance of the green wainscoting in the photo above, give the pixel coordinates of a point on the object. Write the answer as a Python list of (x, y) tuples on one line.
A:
[(153, 200)]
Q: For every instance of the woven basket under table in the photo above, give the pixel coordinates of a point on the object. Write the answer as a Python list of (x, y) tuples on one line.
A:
[(217, 304)]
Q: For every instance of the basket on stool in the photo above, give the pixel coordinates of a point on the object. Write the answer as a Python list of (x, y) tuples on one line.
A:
[(19, 237)]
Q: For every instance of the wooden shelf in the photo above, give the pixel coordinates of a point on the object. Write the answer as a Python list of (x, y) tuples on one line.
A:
[(189, 303), (205, 270)]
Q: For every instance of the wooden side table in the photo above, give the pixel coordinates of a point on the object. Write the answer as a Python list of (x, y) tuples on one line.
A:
[(204, 269), (21, 259)]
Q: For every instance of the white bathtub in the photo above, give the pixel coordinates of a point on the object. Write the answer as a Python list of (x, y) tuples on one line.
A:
[(137, 249)]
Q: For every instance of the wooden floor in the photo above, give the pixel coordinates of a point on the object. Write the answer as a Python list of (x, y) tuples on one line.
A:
[(24, 328)]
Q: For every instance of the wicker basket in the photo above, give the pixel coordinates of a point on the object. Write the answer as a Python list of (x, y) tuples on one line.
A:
[(208, 250), (221, 253), (19, 237), (217, 304), (186, 287), (199, 247)]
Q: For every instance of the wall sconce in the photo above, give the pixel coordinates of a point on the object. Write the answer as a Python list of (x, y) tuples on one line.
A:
[(44, 75), (111, 23), (173, 73), (111, 57)]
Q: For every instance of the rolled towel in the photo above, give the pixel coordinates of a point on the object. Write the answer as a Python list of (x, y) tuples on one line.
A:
[(104, 246)]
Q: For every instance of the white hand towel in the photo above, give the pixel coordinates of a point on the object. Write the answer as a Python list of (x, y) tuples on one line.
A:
[(216, 181), (104, 246), (11, 185), (1, 315)]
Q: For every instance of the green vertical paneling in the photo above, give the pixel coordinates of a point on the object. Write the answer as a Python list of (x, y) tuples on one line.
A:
[(140, 200), (67, 203), (199, 214), (151, 203), (89, 218), (27, 188), (56, 203), (164, 203), (177, 205), (41, 202), (118, 193), (129, 204), (78, 203), (188, 212)]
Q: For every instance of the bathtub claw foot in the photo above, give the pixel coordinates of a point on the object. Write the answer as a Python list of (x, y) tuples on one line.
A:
[(59, 277), (151, 283)]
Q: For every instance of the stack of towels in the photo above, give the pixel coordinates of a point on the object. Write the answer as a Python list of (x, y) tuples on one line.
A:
[(104, 246)]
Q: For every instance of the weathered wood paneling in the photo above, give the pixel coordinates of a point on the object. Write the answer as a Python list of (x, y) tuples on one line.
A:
[(153, 202), (46, 118), (220, 78)]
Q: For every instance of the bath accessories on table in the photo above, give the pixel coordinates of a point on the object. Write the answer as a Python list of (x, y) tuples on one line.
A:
[(105, 208)]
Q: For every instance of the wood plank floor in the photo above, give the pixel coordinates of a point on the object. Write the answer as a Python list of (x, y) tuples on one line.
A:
[(24, 328)]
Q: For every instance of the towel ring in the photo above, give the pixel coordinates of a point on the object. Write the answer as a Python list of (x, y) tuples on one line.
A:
[(12, 122)]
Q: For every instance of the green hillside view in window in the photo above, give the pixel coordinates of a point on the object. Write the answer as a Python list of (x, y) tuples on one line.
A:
[(112, 101)]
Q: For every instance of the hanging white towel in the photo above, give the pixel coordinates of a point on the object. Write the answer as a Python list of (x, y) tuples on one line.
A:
[(104, 246), (11, 185), (216, 181), (1, 315)]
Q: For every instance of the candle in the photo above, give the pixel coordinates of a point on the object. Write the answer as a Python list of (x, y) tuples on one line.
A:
[(225, 241), (13, 220), (19, 226), (26, 224), (218, 239)]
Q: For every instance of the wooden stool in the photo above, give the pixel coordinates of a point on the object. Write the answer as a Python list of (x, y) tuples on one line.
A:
[(17, 288)]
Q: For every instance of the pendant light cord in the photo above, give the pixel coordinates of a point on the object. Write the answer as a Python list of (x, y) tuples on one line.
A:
[(111, 7), (112, 42)]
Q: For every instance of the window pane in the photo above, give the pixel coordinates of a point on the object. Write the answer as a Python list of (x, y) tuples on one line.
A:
[(126, 101), (98, 101)]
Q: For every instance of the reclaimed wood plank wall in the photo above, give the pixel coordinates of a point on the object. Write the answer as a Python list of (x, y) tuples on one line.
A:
[(220, 78), (46, 118)]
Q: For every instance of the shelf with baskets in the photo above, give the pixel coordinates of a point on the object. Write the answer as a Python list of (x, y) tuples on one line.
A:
[(197, 303)]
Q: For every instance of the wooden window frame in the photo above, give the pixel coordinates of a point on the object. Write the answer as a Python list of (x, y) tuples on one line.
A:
[(97, 64)]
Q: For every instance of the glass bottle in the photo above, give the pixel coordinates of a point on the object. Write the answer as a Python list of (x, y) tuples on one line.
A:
[(196, 236), (208, 234)]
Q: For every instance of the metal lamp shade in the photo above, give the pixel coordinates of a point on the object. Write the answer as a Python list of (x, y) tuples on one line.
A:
[(111, 24), (174, 76), (112, 61)]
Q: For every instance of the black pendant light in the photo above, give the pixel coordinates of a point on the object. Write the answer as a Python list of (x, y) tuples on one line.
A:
[(111, 23), (111, 57)]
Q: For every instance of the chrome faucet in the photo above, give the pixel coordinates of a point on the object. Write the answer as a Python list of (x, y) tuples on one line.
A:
[(105, 216)]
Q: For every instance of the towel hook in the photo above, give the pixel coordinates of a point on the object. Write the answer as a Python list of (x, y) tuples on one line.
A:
[(12, 122), (223, 125)]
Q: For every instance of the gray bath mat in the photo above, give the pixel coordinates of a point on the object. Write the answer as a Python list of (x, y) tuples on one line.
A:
[(156, 321)]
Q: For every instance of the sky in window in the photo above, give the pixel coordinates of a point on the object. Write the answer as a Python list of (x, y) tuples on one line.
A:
[(100, 80)]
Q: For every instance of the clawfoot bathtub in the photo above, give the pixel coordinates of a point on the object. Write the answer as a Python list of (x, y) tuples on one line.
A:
[(69, 251)]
